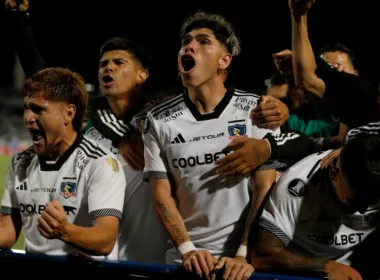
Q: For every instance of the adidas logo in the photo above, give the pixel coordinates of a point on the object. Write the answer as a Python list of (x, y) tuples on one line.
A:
[(178, 139), (22, 187)]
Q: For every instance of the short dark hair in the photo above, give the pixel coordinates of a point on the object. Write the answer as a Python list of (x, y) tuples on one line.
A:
[(223, 30), (61, 84), (338, 47), (360, 166), (133, 48)]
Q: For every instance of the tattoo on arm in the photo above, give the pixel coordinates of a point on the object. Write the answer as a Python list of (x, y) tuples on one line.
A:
[(269, 253), (173, 223)]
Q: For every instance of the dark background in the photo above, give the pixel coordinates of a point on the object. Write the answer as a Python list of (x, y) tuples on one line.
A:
[(70, 33)]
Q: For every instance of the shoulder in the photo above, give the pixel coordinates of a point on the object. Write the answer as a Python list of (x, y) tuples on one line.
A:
[(164, 109), (24, 158), (295, 180), (371, 128), (93, 154), (244, 98)]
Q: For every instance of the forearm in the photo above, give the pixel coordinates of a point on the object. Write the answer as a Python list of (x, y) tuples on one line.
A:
[(280, 259), (262, 182), (25, 45), (97, 241), (304, 64), (10, 227), (172, 221)]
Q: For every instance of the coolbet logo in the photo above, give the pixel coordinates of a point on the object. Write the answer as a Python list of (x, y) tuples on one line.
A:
[(39, 209), (197, 160), (68, 189), (338, 240), (237, 130)]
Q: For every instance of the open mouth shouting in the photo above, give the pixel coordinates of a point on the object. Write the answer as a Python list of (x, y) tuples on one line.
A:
[(38, 136), (187, 64), (107, 81)]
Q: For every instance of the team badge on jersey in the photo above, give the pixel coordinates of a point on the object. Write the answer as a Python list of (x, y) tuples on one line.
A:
[(113, 163), (68, 189), (237, 130), (296, 188)]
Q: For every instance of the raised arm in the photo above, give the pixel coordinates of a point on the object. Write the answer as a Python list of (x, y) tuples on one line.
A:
[(304, 64), (25, 43)]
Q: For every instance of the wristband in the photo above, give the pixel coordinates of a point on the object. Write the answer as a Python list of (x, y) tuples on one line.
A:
[(242, 251), (186, 247)]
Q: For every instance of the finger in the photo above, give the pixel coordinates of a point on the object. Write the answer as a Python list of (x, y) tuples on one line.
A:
[(195, 265), (246, 273), (11, 4), (267, 113), (203, 265), (50, 220), (210, 264), (53, 211), (241, 168), (227, 270), (228, 158), (187, 265), (43, 232), (234, 271), (229, 167), (44, 225), (220, 263)]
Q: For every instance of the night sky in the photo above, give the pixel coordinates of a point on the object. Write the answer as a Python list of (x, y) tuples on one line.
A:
[(70, 34)]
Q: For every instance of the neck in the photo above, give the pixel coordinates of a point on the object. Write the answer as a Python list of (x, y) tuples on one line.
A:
[(121, 105), (207, 96), (68, 139)]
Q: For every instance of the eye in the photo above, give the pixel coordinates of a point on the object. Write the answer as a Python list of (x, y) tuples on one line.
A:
[(205, 42)]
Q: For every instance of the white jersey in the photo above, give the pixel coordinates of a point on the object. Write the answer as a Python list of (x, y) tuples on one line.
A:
[(86, 181), (303, 212), (182, 144), (141, 235)]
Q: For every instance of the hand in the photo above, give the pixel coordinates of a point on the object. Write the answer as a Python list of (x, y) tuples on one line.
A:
[(131, 148), (248, 154), (270, 113), (300, 7), (283, 62), (235, 268), (201, 262), (53, 222), (338, 271), (12, 5), (330, 158)]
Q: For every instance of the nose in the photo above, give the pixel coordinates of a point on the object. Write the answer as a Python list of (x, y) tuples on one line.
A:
[(110, 67), (29, 116), (190, 47)]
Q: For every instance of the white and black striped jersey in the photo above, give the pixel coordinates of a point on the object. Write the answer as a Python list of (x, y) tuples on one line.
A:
[(139, 221), (86, 180), (305, 214), (183, 144), (371, 128)]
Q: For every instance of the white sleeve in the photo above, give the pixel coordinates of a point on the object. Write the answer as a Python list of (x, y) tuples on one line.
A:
[(106, 187), (154, 154), (282, 208), (9, 202)]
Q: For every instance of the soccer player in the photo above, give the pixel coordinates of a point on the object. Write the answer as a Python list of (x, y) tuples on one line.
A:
[(314, 219), (183, 139), (66, 191), (117, 118)]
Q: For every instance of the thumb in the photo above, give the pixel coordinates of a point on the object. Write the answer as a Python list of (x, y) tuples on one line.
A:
[(265, 99)]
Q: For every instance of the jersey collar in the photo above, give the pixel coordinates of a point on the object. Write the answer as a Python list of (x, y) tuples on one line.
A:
[(218, 109), (56, 165)]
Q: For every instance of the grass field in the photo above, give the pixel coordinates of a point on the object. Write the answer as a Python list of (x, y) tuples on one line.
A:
[(4, 163)]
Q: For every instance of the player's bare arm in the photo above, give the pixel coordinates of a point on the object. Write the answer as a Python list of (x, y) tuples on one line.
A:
[(96, 240), (200, 262), (10, 228), (262, 183), (269, 253)]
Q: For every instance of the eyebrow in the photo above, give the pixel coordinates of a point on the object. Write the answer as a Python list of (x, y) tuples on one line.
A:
[(201, 35), (33, 106)]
